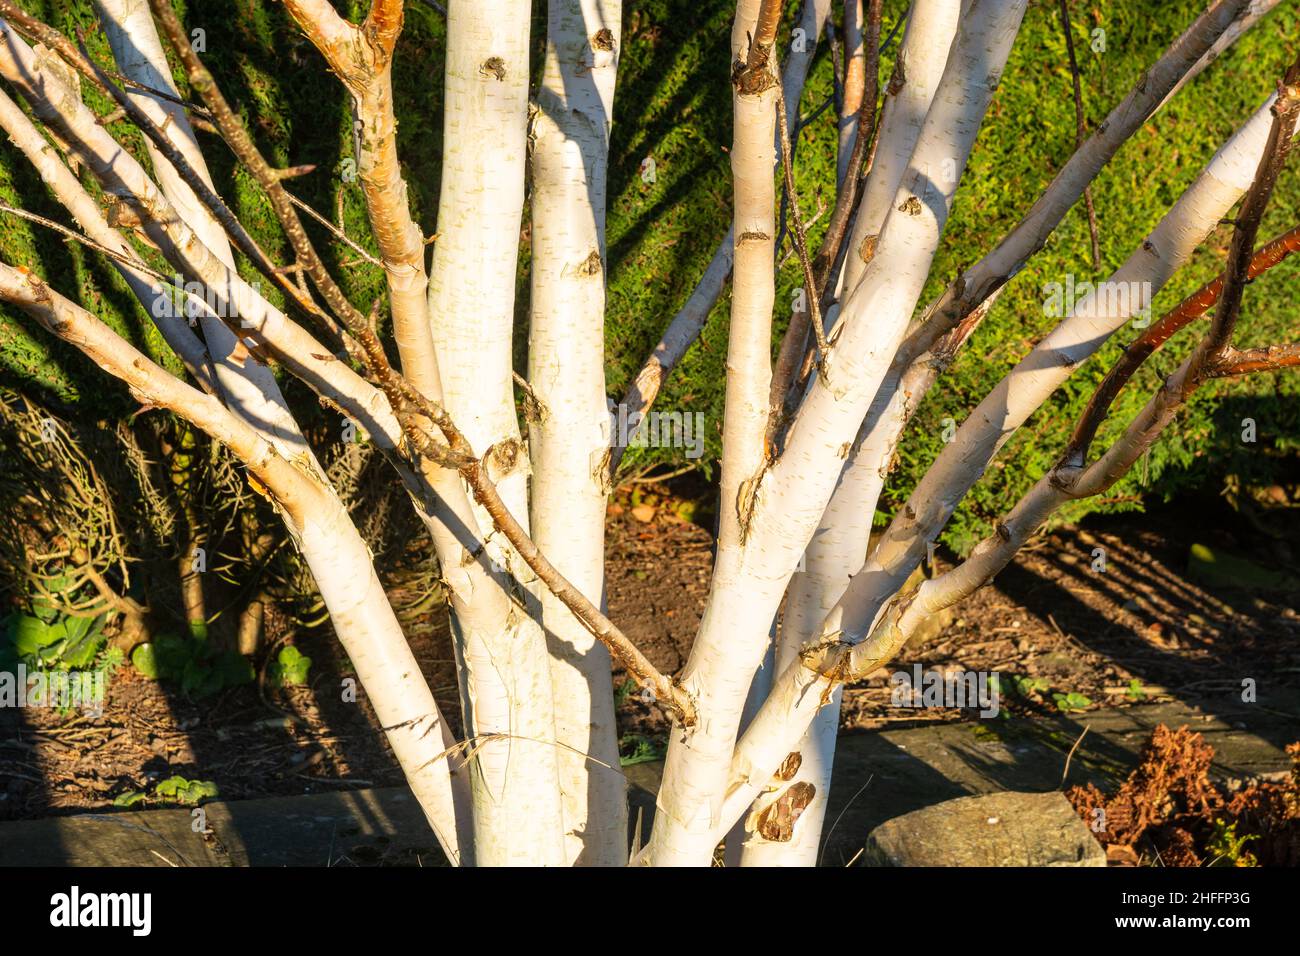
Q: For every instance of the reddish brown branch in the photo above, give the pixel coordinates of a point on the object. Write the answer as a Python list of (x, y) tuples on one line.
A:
[(1280, 137), (847, 199), (1177, 318), (459, 454), (1270, 358), (1226, 289), (793, 354)]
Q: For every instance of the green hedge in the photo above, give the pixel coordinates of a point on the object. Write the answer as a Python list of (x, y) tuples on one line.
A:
[(673, 105)]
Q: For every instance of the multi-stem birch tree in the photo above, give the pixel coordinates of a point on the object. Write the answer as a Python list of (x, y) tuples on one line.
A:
[(510, 469)]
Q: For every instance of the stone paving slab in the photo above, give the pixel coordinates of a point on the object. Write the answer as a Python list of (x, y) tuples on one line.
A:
[(992, 829), (325, 829), (879, 775)]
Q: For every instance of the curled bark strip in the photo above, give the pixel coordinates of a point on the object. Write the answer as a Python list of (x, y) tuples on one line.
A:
[(776, 821), (790, 766)]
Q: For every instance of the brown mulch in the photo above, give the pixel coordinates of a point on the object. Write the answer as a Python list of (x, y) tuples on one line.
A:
[(1047, 617)]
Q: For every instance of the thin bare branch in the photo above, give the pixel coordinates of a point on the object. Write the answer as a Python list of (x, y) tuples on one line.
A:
[(335, 230), (39, 32), (1080, 128), (793, 355), (1280, 138), (1177, 318), (799, 234)]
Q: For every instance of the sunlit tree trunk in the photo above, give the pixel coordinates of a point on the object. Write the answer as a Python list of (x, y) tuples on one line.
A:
[(517, 807), (840, 542), (719, 671), (517, 529), (796, 691), (569, 430), (779, 506)]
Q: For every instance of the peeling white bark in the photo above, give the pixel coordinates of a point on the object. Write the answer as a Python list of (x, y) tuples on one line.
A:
[(538, 782), (569, 438), (785, 503), (797, 690), (517, 806), (863, 478), (840, 542)]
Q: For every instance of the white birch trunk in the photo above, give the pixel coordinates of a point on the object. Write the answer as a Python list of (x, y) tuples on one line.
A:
[(569, 440), (402, 686), (793, 701), (863, 478), (1058, 486), (517, 806), (249, 388), (783, 503), (338, 557), (85, 212), (931, 26), (718, 674), (840, 542), (1032, 381)]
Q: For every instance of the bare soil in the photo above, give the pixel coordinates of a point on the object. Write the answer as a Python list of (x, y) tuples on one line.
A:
[(1139, 632)]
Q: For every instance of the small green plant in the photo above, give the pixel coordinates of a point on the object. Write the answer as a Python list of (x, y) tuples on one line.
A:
[(128, 799), (1072, 702), (623, 691), (638, 748), (1029, 686), (48, 638), (1135, 690), (1227, 848), (289, 668), (984, 733), (192, 662), (998, 691), (189, 792)]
